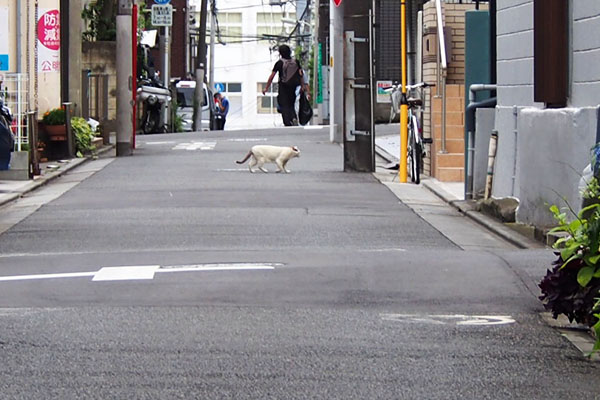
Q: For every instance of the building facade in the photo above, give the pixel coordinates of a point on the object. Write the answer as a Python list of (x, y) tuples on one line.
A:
[(543, 145), (247, 35)]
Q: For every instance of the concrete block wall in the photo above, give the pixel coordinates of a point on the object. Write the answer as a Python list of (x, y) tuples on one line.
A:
[(585, 87), (514, 39), (542, 152)]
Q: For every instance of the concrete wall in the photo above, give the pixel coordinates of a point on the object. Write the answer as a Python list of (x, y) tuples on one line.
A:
[(515, 85), (553, 149), (541, 152), (100, 57)]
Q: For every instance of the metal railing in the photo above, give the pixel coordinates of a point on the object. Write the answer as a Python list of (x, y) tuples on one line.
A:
[(95, 98)]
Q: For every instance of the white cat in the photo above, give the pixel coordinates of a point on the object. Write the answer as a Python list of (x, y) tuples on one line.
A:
[(264, 153)]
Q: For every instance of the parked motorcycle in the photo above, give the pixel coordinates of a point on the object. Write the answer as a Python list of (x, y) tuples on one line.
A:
[(154, 96), (7, 140)]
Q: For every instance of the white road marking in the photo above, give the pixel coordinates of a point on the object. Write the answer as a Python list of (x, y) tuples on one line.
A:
[(143, 272), (231, 169), (382, 250), (45, 276), (158, 142), (126, 273), (247, 140), (456, 319), (195, 146)]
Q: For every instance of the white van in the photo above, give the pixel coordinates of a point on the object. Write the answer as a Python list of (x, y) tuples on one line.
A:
[(185, 105)]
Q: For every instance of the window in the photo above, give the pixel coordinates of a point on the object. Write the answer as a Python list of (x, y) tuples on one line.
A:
[(550, 52), (230, 27), (228, 87), (270, 24), (266, 104)]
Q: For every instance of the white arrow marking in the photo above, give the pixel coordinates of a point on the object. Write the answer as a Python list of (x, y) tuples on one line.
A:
[(456, 319), (143, 272)]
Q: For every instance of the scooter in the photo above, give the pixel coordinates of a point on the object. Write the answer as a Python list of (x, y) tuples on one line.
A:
[(7, 140), (154, 97)]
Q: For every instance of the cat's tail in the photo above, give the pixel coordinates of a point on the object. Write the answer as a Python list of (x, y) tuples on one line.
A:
[(245, 158)]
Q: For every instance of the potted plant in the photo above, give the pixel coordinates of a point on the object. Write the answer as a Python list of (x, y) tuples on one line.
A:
[(84, 136), (54, 121)]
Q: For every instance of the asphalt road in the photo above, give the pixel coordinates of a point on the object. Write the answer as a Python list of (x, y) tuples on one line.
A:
[(317, 284)]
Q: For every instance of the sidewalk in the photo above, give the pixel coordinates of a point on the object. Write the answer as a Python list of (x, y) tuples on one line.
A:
[(12, 190), (387, 146)]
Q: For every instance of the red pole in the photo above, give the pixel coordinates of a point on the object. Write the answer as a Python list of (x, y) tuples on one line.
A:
[(134, 18)]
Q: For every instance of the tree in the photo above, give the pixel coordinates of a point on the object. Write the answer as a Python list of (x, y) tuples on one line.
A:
[(100, 17)]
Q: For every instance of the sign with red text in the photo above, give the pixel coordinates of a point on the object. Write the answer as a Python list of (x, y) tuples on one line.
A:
[(48, 36)]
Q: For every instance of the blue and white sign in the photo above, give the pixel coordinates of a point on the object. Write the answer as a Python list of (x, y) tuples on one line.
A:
[(162, 15), (162, 1), (219, 87)]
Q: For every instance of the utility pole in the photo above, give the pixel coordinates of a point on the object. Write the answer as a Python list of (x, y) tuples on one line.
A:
[(124, 79), (336, 71), (213, 26), (358, 96), (200, 69), (165, 50)]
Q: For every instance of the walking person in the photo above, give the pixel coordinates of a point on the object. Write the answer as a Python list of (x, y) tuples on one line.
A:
[(221, 110), (290, 77)]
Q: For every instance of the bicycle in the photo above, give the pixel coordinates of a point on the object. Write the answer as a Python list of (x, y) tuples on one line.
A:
[(415, 142)]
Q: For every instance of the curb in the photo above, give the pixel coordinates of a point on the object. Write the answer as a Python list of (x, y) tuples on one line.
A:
[(467, 208), (51, 175)]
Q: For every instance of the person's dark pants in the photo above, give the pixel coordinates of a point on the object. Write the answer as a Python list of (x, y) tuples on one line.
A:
[(286, 101), (220, 123), (4, 162)]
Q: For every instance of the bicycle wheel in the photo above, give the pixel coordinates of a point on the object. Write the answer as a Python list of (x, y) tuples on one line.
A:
[(415, 157)]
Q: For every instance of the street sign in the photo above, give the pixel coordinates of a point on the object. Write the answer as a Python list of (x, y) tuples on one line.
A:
[(162, 1), (162, 15), (337, 2)]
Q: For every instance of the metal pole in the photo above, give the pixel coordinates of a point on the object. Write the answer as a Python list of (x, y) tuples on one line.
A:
[(213, 24), (70, 141), (124, 79), (403, 172), (372, 82), (134, 25), (167, 72)]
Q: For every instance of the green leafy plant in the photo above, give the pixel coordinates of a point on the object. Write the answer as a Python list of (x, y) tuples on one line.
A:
[(572, 286), (83, 136), (100, 18), (55, 116)]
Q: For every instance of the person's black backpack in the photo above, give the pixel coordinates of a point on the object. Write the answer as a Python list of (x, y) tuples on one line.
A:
[(290, 72)]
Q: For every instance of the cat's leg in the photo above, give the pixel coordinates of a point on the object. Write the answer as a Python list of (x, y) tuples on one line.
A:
[(280, 165), (251, 164), (287, 171), (261, 162)]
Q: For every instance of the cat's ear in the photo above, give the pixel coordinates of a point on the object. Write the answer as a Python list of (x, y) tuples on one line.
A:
[(295, 148)]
